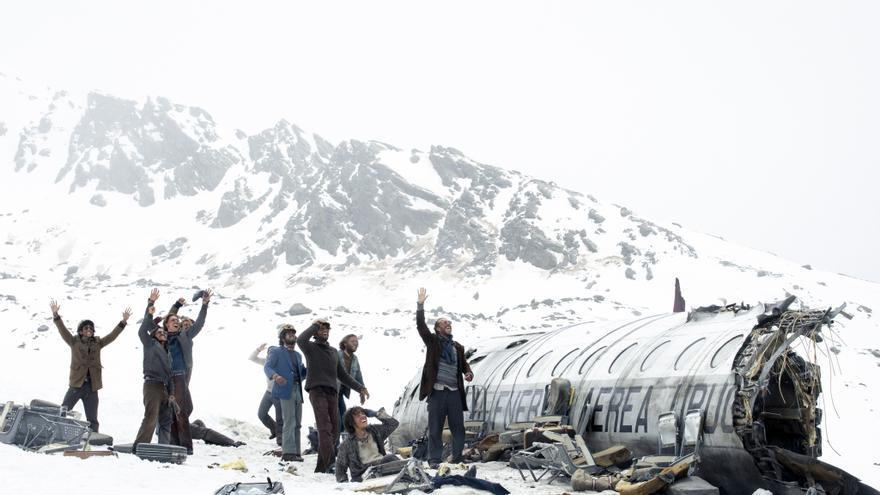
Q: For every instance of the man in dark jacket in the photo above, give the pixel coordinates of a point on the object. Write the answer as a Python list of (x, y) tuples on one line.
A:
[(365, 445), (158, 386), (442, 384), (85, 362), (325, 374), (284, 367), (180, 345)]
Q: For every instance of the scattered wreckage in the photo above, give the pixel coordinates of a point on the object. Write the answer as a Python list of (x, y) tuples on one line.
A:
[(45, 427), (717, 399), (719, 394), (48, 428)]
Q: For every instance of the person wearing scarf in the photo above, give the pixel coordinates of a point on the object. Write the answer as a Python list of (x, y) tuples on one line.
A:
[(443, 377)]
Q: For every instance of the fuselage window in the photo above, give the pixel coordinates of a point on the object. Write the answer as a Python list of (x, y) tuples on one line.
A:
[(477, 359), (726, 350), (688, 353), (564, 363), (592, 357), (622, 358), (652, 356), (532, 367), (510, 366)]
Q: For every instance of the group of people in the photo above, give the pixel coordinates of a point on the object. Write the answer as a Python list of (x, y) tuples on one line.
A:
[(326, 374), (167, 367)]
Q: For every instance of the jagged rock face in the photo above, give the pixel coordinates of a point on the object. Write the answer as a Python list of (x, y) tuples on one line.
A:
[(365, 208), (137, 150), (329, 207), (235, 205)]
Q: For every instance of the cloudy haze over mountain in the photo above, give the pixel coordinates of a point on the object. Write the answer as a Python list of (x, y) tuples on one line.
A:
[(688, 111)]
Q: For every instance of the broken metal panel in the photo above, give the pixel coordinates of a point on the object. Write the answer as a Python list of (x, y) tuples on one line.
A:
[(33, 428), (778, 392)]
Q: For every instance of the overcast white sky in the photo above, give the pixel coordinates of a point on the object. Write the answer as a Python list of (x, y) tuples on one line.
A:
[(756, 121)]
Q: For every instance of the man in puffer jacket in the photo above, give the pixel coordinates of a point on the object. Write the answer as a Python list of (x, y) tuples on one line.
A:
[(365, 445), (85, 362), (158, 387)]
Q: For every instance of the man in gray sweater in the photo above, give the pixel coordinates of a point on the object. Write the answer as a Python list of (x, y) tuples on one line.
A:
[(325, 369)]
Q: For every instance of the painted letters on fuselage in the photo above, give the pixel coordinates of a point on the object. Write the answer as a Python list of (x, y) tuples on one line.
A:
[(629, 409)]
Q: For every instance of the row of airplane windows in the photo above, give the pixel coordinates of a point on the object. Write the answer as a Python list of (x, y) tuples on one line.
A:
[(622, 358)]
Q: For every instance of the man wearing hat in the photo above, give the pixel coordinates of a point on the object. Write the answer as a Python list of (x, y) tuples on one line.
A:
[(85, 362), (284, 366)]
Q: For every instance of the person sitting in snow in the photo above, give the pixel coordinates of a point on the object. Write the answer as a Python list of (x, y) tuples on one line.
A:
[(365, 445), (85, 362)]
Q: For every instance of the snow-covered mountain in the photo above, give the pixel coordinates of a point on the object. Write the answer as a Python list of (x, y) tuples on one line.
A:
[(102, 198)]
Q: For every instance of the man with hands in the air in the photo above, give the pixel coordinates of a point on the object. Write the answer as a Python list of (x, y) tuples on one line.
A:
[(85, 362), (158, 385)]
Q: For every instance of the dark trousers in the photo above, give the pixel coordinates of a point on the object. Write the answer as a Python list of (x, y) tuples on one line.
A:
[(326, 407), (180, 434), (155, 396), (275, 426), (89, 399), (163, 429), (445, 405), (163, 426)]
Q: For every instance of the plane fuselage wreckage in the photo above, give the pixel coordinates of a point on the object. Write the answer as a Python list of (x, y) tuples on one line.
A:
[(735, 366)]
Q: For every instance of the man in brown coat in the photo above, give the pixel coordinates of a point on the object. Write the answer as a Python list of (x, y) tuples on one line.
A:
[(442, 384), (85, 362)]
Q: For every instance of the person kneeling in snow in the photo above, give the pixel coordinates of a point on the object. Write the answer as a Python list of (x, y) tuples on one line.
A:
[(365, 445)]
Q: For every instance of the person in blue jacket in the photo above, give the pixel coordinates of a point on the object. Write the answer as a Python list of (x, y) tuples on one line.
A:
[(285, 367)]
